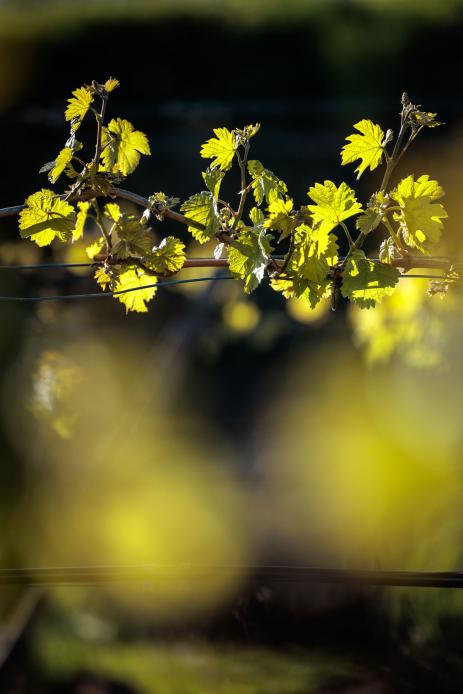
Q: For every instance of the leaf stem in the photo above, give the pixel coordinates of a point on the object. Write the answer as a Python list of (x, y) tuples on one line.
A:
[(347, 232)]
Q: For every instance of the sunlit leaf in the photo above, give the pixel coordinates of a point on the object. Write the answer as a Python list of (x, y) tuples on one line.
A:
[(366, 282), (112, 211), (111, 84), (94, 248), (133, 278), (61, 163), (307, 272), (280, 217), (367, 146), (78, 106), (420, 218), (122, 146), (249, 255), (332, 204), (46, 217), (78, 230), (202, 208), (168, 257), (213, 178), (221, 148), (263, 181)]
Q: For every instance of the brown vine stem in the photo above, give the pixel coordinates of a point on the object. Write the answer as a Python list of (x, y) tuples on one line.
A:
[(408, 263)]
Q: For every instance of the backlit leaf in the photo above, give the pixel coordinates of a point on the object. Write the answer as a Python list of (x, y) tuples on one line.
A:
[(263, 181), (366, 282), (249, 255), (280, 217), (168, 257), (78, 106), (61, 163), (202, 208), (332, 204), (131, 279), (78, 230), (367, 146), (420, 218), (46, 217), (221, 148), (122, 146)]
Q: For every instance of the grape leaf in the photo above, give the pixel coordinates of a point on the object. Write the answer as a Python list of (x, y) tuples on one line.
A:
[(332, 204), (133, 237), (94, 248), (368, 221), (314, 254), (213, 178), (420, 218), (46, 217), (280, 217), (249, 255), (78, 106), (78, 230), (366, 282), (136, 285), (131, 279), (61, 163), (169, 256), (256, 216), (367, 146), (111, 84), (112, 211), (263, 181), (220, 148), (202, 208), (121, 147)]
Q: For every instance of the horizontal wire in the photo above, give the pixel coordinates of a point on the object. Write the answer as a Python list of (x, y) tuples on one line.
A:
[(89, 575), (100, 295)]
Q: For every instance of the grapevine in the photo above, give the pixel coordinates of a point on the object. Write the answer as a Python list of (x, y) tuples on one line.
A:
[(266, 238)]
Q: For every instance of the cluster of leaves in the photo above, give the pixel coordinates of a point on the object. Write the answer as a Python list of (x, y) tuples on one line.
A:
[(308, 264)]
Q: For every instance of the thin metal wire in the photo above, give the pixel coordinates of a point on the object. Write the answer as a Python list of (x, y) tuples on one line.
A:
[(92, 575), (102, 295)]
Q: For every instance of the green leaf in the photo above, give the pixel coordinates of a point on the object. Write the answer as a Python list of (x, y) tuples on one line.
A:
[(307, 272), (256, 216), (280, 217), (368, 146), (131, 279), (166, 258), (78, 230), (420, 218), (137, 286), (133, 238), (366, 282), (332, 204), (112, 211), (213, 178), (202, 208), (249, 255), (78, 106), (61, 163), (368, 221), (94, 248), (122, 146), (111, 84), (46, 217), (264, 181), (220, 148)]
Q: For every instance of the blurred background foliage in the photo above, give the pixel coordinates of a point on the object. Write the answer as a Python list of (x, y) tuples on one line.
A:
[(219, 428)]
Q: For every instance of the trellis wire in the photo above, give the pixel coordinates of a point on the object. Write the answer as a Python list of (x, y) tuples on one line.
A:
[(100, 575), (102, 295)]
